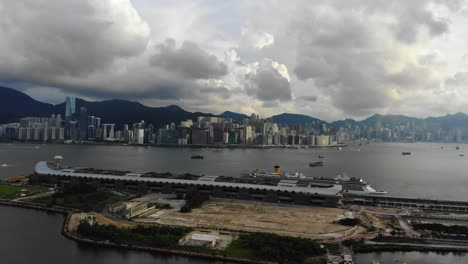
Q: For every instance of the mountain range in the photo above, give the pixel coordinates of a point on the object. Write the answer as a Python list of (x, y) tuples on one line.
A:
[(15, 104)]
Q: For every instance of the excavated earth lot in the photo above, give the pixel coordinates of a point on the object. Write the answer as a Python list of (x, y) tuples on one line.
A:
[(291, 220)]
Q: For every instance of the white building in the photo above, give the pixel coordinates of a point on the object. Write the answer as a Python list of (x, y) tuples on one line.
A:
[(200, 240), (139, 136), (322, 140)]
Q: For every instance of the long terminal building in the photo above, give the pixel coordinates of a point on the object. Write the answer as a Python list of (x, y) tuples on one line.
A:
[(287, 191)]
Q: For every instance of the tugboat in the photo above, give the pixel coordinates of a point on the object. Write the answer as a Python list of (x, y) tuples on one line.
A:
[(197, 157), (316, 164)]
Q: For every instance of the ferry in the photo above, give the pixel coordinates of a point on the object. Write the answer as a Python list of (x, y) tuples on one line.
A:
[(316, 164)]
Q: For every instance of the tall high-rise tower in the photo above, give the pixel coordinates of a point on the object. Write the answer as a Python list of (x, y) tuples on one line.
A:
[(83, 123), (70, 107)]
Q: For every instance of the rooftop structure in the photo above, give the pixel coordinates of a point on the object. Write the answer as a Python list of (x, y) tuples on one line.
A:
[(44, 168)]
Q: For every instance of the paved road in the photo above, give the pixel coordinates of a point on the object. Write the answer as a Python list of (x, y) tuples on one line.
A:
[(408, 229), (421, 245), (39, 195)]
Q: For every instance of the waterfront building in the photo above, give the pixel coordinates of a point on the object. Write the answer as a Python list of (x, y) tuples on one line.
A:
[(199, 136), (70, 105), (83, 124), (225, 138), (108, 132), (322, 140), (187, 123), (39, 129), (248, 134), (139, 136)]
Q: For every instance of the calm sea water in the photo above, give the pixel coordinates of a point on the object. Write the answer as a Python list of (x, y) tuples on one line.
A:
[(429, 172), (28, 236)]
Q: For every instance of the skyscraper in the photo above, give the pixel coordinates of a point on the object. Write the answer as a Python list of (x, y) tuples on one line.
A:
[(83, 123), (70, 107)]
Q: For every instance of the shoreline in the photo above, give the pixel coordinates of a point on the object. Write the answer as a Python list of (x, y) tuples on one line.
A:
[(210, 146), (408, 248), (72, 236)]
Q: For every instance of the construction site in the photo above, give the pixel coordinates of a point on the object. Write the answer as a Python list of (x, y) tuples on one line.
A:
[(299, 221)]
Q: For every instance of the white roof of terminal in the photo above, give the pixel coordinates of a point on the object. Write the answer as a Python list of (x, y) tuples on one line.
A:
[(203, 237), (43, 169)]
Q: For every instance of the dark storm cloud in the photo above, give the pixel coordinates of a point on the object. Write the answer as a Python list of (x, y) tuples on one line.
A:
[(307, 98), (348, 74), (41, 39), (358, 56), (98, 49), (416, 17), (189, 60), (348, 56), (222, 92), (267, 84)]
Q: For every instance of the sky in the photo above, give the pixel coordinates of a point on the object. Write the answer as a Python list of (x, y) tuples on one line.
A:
[(325, 58)]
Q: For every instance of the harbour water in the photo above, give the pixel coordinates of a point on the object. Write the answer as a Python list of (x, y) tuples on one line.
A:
[(29, 236), (431, 171)]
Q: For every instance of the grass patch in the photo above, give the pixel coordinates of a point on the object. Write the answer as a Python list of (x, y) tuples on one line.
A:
[(236, 249), (151, 236), (259, 246), (91, 201), (315, 260), (8, 191), (272, 247)]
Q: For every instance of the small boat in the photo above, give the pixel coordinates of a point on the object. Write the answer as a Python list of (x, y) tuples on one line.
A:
[(457, 147), (462, 155), (316, 164), (406, 153), (321, 157), (197, 157)]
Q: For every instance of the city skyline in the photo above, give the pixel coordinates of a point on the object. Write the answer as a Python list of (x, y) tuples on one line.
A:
[(328, 59), (81, 127)]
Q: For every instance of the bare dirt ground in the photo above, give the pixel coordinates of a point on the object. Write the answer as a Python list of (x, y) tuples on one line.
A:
[(311, 222)]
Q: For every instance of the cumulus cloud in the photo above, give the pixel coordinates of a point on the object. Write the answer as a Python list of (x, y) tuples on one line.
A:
[(45, 39), (307, 98), (189, 60), (360, 56), (332, 58), (269, 81), (256, 39)]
